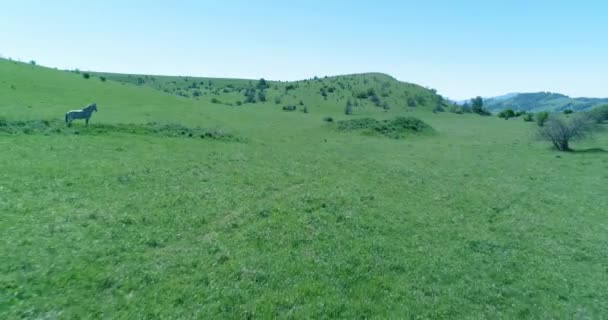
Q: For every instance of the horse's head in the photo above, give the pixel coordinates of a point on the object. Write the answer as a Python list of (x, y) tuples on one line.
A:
[(94, 107)]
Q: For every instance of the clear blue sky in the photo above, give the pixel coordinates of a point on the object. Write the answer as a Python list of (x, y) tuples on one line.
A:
[(461, 48)]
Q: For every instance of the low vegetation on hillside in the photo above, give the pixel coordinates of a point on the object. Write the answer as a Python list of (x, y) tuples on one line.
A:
[(543, 101)]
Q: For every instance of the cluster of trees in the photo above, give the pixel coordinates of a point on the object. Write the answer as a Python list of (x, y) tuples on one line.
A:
[(599, 114), (509, 113)]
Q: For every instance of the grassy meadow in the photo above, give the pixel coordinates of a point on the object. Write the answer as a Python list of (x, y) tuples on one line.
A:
[(288, 217)]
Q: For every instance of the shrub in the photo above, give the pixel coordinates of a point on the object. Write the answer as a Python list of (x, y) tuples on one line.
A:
[(438, 108), (455, 109), (289, 108), (361, 95), (599, 114), (250, 96), (33, 62), (568, 111), (541, 118), (216, 101), (103, 79), (375, 100), (277, 100), (86, 75), (561, 131), (394, 128), (262, 85), (528, 117), (261, 96), (411, 102), (348, 109), (506, 114), (305, 109), (328, 119)]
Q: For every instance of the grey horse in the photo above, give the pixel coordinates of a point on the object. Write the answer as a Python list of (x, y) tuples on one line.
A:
[(80, 114)]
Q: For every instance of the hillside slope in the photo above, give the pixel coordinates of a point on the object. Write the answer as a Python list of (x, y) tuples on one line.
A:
[(542, 101), (366, 91)]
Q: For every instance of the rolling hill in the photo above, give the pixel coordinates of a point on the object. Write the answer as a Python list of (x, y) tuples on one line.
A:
[(542, 101), (147, 213)]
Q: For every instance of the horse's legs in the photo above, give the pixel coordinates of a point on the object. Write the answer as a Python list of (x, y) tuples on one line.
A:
[(87, 121)]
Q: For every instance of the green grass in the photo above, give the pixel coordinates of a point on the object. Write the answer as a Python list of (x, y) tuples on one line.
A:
[(296, 220)]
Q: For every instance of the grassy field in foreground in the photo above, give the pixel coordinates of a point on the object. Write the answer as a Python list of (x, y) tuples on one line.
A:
[(293, 220)]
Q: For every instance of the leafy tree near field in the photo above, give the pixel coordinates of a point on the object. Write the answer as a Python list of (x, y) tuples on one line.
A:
[(86, 75), (32, 62), (507, 114), (348, 109), (599, 114), (568, 111), (529, 117), (262, 84), (477, 106), (560, 131), (541, 118), (261, 96)]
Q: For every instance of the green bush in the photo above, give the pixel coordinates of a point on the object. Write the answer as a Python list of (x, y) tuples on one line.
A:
[(541, 118), (86, 75), (348, 109), (506, 114), (394, 128), (528, 117), (261, 96), (599, 114)]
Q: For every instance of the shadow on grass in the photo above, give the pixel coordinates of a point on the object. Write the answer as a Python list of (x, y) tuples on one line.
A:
[(590, 150)]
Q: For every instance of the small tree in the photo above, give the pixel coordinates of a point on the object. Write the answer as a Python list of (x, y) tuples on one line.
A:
[(529, 117), (32, 62), (541, 118), (506, 114), (103, 79), (348, 110), (262, 84), (568, 111), (561, 131), (261, 96), (477, 104), (599, 114), (86, 75)]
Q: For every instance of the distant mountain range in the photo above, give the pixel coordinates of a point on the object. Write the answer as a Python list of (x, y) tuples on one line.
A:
[(541, 101)]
